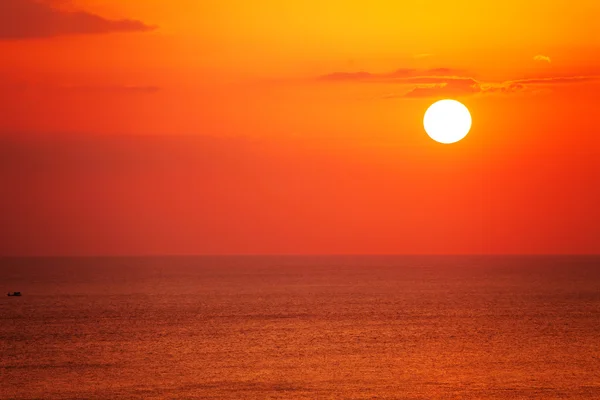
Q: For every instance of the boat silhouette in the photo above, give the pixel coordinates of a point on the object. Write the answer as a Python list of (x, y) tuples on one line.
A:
[(14, 294)]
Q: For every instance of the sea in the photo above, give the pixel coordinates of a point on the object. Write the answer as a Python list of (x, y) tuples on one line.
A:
[(301, 327)]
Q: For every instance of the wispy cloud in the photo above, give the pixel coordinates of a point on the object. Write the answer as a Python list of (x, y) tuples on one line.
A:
[(449, 82), (445, 87), (467, 87), (397, 75), (543, 58), (559, 79), (31, 19)]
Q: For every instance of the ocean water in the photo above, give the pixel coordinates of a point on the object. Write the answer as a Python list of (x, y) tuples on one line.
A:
[(301, 328)]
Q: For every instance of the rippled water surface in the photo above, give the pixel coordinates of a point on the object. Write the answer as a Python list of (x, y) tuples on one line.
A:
[(301, 328)]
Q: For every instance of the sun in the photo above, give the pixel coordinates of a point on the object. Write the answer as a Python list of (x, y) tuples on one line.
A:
[(447, 121)]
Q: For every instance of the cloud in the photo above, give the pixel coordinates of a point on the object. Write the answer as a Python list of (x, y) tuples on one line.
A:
[(432, 82), (540, 57), (559, 79), (457, 87), (503, 87), (32, 19), (443, 80), (397, 75), (453, 87), (449, 82)]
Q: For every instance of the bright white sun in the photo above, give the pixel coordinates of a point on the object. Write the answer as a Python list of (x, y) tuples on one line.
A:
[(447, 121)]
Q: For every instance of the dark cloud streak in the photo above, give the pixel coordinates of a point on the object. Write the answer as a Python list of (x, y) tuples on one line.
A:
[(31, 19)]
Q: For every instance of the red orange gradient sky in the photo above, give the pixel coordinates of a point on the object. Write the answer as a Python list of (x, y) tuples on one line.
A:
[(244, 127)]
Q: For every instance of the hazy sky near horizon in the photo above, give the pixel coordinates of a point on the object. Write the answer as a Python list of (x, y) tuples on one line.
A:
[(233, 126)]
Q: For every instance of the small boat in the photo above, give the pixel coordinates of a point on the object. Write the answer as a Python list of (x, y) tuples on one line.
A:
[(14, 294)]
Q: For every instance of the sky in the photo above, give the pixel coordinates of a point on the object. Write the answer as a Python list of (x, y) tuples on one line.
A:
[(267, 127)]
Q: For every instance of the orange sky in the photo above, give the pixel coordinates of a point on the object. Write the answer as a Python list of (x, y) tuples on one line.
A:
[(194, 127)]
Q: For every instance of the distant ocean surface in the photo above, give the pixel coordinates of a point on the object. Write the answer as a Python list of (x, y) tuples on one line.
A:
[(422, 327)]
